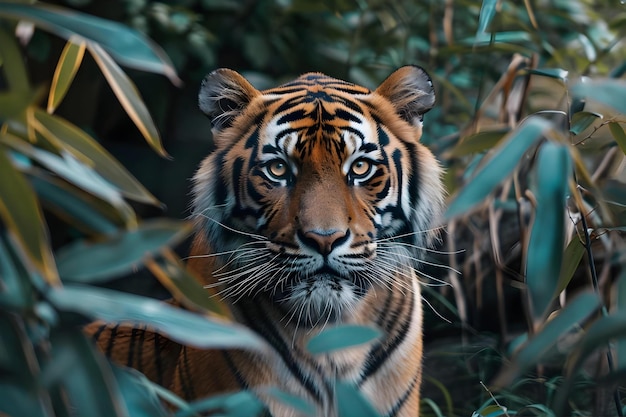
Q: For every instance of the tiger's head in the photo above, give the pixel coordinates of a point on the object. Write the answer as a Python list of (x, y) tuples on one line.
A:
[(317, 191)]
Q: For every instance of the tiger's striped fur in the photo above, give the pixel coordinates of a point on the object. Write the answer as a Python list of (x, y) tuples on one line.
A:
[(314, 209)]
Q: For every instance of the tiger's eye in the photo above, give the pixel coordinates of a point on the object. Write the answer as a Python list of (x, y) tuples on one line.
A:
[(277, 168), (360, 167)]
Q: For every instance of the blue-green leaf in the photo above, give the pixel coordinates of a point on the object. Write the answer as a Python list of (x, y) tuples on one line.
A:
[(500, 164), (83, 261), (547, 235), (352, 403), (582, 120), (574, 313), (20, 212), (609, 92), (487, 12), (179, 325), (341, 337), (127, 46)]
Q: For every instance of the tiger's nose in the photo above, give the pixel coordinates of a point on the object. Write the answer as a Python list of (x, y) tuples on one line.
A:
[(323, 241)]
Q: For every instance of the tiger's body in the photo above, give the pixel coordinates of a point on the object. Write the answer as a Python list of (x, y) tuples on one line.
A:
[(314, 210)]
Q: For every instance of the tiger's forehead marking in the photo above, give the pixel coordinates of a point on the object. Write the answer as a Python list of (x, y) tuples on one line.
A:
[(317, 110)]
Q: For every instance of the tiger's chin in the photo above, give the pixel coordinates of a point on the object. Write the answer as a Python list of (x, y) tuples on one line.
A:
[(318, 300)]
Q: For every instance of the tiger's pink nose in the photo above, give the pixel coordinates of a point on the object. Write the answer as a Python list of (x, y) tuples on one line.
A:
[(323, 241)]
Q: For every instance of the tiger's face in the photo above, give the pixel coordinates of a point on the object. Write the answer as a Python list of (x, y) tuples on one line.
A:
[(318, 191)]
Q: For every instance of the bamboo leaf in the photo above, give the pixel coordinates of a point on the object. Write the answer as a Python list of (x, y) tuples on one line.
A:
[(499, 165), (83, 261), (20, 212), (341, 337), (80, 143), (12, 63), (571, 259), (352, 403), (88, 384), (532, 353), (69, 62), (582, 120), (618, 134), (185, 288), (545, 247), (128, 46), (128, 96), (608, 92), (179, 325), (487, 12), (479, 142)]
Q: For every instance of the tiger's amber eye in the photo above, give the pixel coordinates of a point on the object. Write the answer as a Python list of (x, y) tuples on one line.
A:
[(277, 168), (360, 167)]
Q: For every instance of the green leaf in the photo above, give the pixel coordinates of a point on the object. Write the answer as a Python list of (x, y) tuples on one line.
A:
[(545, 247), (341, 337), (20, 393), (352, 403), (12, 63), (534, 351), (487, 12), (238, 404), (126, 45), (608, 92), (479, 142), (582, 120), (84, 146), (81, 209), (558, 73), (16, 292), (138, 393), (299, 404), (83, 261), (571, 259), (618, 134), (128, 96), (499, 165), (74, 171), (20, 212), (69, 62), (185, 288), (84, 375), (181, 326)]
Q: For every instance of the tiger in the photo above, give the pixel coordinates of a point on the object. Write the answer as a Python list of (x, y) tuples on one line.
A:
[(313, 210)]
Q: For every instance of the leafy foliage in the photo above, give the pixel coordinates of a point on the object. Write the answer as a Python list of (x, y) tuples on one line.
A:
[(529, 123)]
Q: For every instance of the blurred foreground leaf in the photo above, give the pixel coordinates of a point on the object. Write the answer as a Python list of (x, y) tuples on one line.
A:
[(20, 212), (352, 403), (608, 92), (126, 45), (185, 288), (83, 261), (341, 337), (80, 143), (179, 325)]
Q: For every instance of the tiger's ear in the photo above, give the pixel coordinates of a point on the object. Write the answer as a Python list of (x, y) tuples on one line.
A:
[(411, 92), (223, 95)]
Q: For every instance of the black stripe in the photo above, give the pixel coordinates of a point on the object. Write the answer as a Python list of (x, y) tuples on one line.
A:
[(98, 333), (188, 386), (131, 347), (157, 359), (109, 348), (142, 339), (262, 325), (236, 372), (380, 353), (402, 400)]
